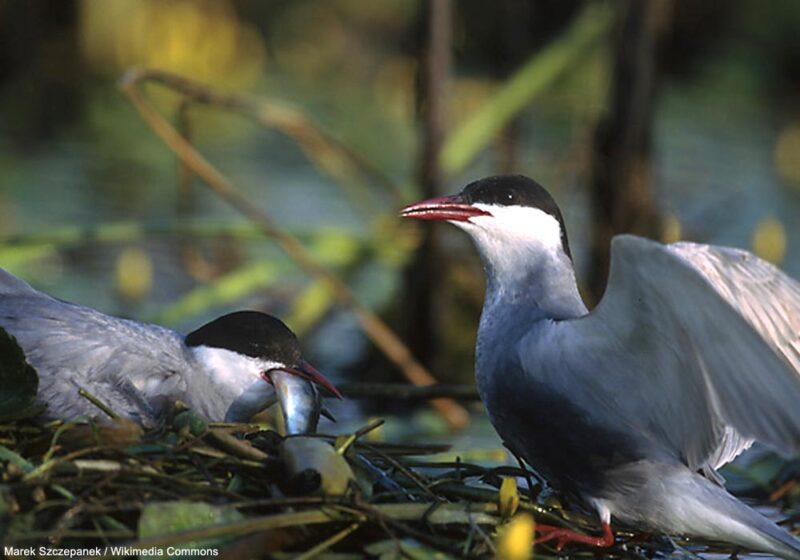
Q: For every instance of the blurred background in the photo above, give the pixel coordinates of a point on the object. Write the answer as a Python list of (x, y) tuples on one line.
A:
[(671, 118)]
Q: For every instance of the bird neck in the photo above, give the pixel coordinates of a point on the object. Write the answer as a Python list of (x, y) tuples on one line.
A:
[(522, 294), (542, 283), (226, 385)]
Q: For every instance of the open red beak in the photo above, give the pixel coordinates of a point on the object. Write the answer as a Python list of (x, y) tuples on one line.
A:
[(451, 208), (310, 373)]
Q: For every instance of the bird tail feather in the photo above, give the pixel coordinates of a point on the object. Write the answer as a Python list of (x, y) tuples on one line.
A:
[(678, 501), (782, 543), (710, 511)]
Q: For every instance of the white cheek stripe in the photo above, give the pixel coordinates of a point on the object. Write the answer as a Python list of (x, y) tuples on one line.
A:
[(231, 368), (515, 226)]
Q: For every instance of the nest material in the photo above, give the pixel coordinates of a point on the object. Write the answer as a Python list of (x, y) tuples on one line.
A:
[(233, 489), (110, 488)]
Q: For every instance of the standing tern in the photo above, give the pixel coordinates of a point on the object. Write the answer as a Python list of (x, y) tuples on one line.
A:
[(224, 371), (692, 355)]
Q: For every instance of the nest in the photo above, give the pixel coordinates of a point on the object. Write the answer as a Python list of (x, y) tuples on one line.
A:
[(109, 488), (236, 491)]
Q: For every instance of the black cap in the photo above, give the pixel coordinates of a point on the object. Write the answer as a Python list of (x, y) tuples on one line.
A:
[(515, 190), (251, 333)]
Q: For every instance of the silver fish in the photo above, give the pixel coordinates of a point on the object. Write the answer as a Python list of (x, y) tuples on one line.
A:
[(300, 402)]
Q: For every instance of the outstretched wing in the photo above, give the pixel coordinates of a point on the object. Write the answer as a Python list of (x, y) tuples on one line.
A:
[(698, 348)]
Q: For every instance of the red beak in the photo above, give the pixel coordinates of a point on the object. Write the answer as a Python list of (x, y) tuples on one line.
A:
[(310, 373), (451, 208)]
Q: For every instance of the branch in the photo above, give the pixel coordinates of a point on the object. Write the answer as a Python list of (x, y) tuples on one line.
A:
[(380, 334), (403, 391)]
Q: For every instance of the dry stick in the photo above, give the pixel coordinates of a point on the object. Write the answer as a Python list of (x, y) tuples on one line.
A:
[(446, 514), (327, 543), (270, 114), (383, 337), (49, 465), (413, 477), (404, 391), (342, 445), (374, 425), (401, 527), (528, 478), (193, 260), (98, 403)]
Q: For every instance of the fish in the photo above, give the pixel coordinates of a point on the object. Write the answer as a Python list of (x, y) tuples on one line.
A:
[(300, 400)]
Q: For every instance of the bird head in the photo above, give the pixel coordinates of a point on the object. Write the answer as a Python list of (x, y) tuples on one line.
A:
[(256, 344), (512, 219)]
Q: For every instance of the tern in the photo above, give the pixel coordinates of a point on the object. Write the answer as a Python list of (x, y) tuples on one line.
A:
[(692, 354), (224, 371)]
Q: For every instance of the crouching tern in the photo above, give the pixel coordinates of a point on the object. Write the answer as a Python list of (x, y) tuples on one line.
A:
[(227, 370), (691, 356)]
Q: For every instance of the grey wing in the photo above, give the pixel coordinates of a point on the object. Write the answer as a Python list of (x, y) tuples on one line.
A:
[(767, 298), (703, 344), (72, 346)]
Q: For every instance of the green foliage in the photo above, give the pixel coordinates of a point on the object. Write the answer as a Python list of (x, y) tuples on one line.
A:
[(392, 549), (14, 458), (531, 80), (165, 518), (18, 380), (191, 423), (222, 291)]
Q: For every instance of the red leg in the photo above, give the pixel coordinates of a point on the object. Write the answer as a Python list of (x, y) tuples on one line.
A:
[(564, 536)]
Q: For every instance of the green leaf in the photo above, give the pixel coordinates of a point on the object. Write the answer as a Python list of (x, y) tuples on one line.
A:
[(18, 380), (12, 457), (190, 421), (310, 306), (165, 518), (392, 549), (539, 73), (224, 290)]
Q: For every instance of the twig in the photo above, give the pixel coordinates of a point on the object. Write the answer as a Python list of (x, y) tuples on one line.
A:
[(528, 478), (413, 477), (484, 514), (397, 523), (374, 425), (344, 444), (407, 449), (98, 403), (51, 464), (475, 528), (327, 543), (193, 259), (383, 337), (404, 391), (235, 447), (322, 147), (484, 495)]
